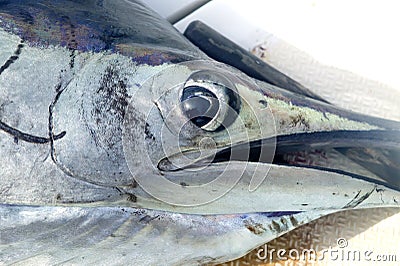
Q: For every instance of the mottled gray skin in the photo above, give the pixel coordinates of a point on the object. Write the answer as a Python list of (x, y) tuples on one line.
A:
[(68, 73), (50, 48)]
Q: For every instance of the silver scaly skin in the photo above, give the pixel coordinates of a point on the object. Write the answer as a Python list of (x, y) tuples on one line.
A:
[(86, 93)]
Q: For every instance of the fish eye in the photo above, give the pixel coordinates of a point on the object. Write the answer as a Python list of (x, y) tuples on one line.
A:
[(210, 101), (199, 105)]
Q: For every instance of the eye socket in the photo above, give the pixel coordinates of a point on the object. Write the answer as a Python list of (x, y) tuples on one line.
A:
[(210, 101)]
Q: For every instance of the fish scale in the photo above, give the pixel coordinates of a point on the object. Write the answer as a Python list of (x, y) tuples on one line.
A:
[(99, 84)]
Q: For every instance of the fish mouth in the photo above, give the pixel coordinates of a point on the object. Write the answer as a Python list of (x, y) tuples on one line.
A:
[(261, 151), (375, 153)]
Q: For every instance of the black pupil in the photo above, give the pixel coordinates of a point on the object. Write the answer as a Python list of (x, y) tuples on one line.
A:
[(199, 105)]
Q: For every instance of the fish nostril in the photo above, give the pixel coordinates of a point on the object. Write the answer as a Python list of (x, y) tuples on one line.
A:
[(207, 144)]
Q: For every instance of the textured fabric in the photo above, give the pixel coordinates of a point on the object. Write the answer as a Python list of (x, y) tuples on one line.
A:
[(341, 87), (369, 234)]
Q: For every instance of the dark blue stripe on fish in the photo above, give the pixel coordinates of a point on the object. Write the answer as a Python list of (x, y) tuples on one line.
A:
[(271, 214), (279, 214), (18, 135), (126, 27), (12, 58)]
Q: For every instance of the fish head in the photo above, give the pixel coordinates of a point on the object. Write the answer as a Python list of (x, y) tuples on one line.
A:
[(195, 110), (199, 131)]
